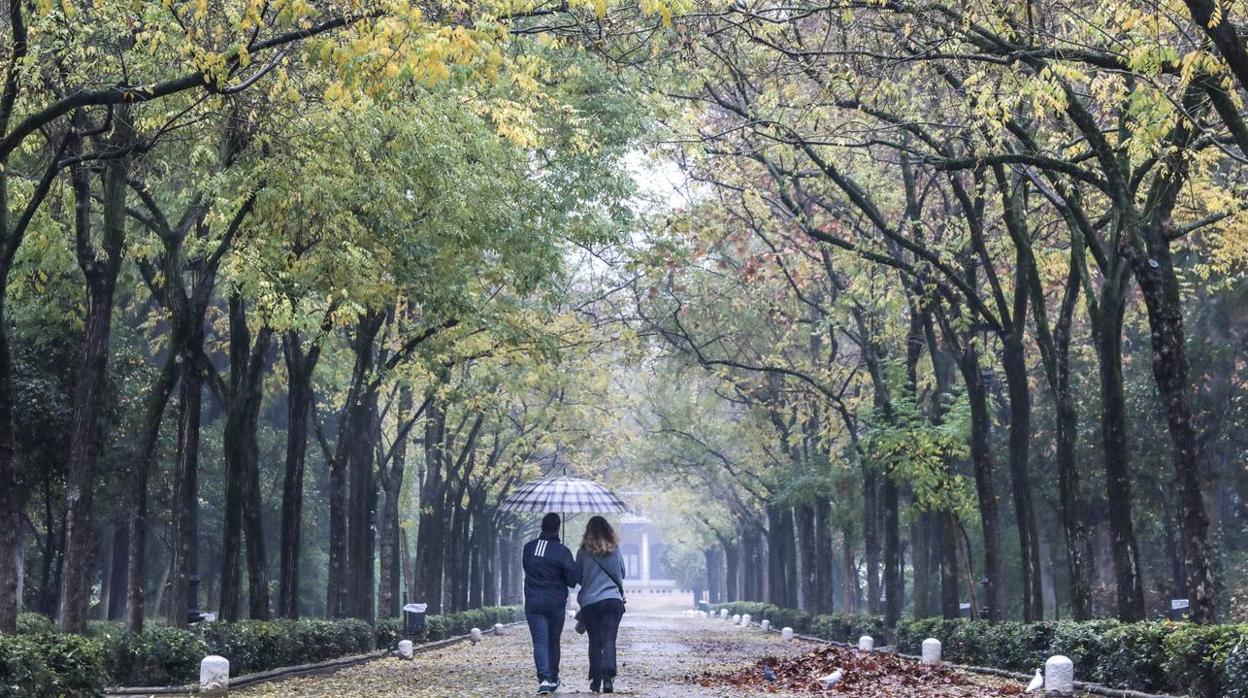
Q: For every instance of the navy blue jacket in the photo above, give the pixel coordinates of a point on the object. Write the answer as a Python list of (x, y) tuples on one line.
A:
[(549, 571)]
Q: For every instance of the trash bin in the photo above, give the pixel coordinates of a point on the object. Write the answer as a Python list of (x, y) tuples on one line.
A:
[(414, 619)]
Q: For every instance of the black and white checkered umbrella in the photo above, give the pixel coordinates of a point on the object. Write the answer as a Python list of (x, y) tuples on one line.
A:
[(564, 495)]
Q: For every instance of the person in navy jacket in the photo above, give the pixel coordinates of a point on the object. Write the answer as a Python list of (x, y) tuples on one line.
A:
[(549, 571)]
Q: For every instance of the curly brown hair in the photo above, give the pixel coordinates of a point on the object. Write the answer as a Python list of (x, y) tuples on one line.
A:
[(599, 539)]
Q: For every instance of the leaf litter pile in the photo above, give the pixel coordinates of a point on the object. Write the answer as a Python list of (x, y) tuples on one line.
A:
[(863, 675)]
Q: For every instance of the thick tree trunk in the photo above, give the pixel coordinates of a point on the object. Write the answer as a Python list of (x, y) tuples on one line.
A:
[(779, 533), (871, 536), (83, 454), (362, 488), (243, 506), (732, 571), (985, 487), (184, 571), (100, 268), (1107, 330), (299, 369), (1154, 272), (804, 517), (892, 553), (13, 491), (476, 546), (430, 536), (231, 592), (921, 529), (950, 601), (824, 558), (1015, 363)]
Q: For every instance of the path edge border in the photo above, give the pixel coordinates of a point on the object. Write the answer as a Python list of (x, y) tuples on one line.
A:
[(259, 677)]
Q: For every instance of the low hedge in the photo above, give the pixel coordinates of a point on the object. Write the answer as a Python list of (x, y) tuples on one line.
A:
[(48, 664), (39, 662), (841, 627), (1203, 661), (441, 627)]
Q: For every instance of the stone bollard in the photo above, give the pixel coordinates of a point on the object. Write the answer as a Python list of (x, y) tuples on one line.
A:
[(499, 629), (931, 651), (1059, 676), (866, 643), (214, 676), (475, 635), (405, 649), (736, 619), (745, 620), (786, 634), (765, 625), (723, 613)]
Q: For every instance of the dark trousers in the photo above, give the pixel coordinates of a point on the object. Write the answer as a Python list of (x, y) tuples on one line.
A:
[(546, 628), (602, 621)]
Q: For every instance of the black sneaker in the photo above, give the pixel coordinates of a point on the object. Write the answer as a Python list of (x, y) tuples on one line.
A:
[(546, 688), (608, 686), (595, 686)]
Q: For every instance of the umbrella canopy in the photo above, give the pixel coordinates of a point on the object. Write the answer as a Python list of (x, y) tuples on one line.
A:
[(566, 495)]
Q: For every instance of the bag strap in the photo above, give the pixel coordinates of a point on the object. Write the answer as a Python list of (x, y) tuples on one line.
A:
[(618, 583)]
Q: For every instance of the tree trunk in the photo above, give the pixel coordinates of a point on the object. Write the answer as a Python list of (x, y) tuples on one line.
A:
[(824, 558), (362, 487), (299, 369), (732, 574), (1107, 330), (950, 601), (476, 547), (430, 535), (892, 553), (390, 590), (13, 492), (850, 575), (136, 565), (116, 597), (1015, 363), (489, 562), (184, 572), (1154, 272), (871, 535), (985, 487), (922, 527), (100, 268), (804, 517)]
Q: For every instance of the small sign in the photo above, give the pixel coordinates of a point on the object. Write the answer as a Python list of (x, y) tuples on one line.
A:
[(1179, 604), (964, 607)]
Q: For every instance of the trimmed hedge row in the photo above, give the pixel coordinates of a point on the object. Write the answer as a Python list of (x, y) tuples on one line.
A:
[(39, 661), (1203, 661), (841, 627), (441, 627)]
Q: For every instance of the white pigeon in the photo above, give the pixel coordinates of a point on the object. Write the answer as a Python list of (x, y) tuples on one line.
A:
[(831, 679), (1037, 683)]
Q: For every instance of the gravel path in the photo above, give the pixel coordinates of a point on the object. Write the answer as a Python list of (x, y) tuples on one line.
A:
[(659, 648)]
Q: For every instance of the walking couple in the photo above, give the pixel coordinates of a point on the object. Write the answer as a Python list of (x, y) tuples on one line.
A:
[(549, 571)]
